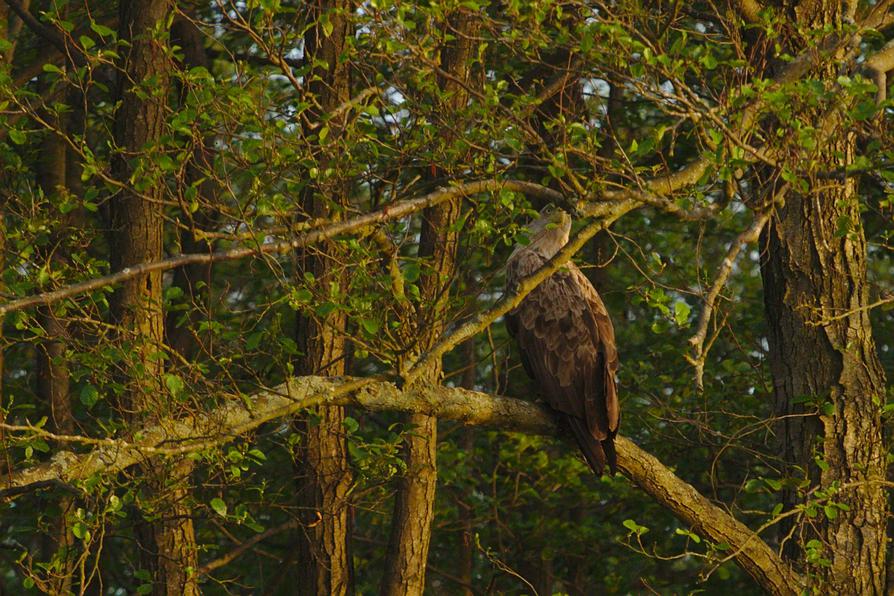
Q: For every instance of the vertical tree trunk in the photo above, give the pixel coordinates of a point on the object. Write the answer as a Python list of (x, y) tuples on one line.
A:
[(167, 545), (324, 475), (52, 366), (467, 443), (823, 358), (821, 349), (7, 29), (414, 503)]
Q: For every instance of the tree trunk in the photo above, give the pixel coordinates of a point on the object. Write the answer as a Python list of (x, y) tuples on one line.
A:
[(324, 475), (828, 382), (467, 443), (168, 544), (821, 349), (414, 503), (52, 366)]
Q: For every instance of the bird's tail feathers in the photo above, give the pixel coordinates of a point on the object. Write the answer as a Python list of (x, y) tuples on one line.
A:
[(597, 453)]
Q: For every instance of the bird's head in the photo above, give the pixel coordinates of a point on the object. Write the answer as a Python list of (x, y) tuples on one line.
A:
[(549, 232)]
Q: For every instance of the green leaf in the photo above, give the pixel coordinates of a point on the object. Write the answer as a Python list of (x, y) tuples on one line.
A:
[(325, 309), (254, 340), (709, 61), (173, 293), (681, 313), (17, 136), (351, 425), (634, 527), (371, 326), (101, 30), (174, 384), (80, 531), (411, 272), (327, 25), (864, 110), (219, 506), (692, 536), (89, 395), (773, 483)]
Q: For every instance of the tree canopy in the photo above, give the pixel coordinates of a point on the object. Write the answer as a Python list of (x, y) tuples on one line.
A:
[(253, 295)]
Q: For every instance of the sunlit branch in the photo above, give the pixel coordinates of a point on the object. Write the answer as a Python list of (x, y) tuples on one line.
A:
[(324, 231), (240, 416), (512, 299)]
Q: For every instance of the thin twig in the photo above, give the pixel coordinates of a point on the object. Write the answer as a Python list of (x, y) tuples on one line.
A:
[(244, 546), (697, 341), (324, 232)]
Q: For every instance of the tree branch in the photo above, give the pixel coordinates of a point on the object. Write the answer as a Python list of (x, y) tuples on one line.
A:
[(237, 417), (651, 192), (237, 552), (512, 299), (697, 341), (48, 34), (309, 237)]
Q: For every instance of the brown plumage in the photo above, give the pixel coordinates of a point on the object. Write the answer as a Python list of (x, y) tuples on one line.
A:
[(567, 341)]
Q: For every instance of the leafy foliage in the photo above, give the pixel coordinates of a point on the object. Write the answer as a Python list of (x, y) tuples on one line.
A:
[(580, 97)]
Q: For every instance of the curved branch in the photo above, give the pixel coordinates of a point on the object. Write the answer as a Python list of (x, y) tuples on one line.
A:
[(512, 299), (312, 236), (54, 37), (237, 417), (697, 341)]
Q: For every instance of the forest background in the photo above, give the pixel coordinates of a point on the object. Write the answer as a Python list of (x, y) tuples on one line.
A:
[(253, 294)]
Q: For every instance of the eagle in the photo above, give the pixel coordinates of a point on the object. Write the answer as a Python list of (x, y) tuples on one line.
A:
[(567, 341)]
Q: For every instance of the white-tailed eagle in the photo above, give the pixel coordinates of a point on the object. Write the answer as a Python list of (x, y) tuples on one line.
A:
[(567, 341)]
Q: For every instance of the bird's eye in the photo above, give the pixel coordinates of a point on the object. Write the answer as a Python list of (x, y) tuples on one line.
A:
[(548, 209)]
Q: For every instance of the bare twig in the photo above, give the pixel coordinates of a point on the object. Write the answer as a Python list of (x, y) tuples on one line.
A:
[(697, 341), (68, 48), (827, 320), (244, 546)]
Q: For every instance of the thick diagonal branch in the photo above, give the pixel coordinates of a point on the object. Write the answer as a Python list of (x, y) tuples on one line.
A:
[(237, 417)]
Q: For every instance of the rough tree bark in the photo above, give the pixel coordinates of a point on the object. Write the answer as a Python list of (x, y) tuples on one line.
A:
[(467, 443), (52, 366), (324, 475), (408, 543), (168, 544), (823, 358)]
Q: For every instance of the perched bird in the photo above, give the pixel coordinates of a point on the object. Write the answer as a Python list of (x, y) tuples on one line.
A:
[(567, 341)]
